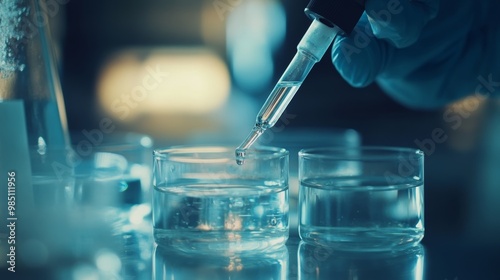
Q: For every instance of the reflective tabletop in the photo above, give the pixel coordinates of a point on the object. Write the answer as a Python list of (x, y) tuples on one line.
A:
[(138, 257)]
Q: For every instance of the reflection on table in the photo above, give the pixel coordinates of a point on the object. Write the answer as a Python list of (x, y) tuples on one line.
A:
[(171, 264), (316, 262)]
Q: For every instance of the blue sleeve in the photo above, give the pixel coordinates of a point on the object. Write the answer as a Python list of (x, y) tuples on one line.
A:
[(424, 54)]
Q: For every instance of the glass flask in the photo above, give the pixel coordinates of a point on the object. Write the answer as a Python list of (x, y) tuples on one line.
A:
[(33, 128), (29, 79)]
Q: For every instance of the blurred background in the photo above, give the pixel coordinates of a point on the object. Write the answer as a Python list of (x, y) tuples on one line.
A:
[(180, 70)]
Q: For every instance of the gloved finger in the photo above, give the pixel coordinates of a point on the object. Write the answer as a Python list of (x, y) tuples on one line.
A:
[(400, 21), (359, 57)]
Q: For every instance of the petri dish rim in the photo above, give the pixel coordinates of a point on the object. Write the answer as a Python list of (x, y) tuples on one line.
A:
[(203, 153), (361, 153)]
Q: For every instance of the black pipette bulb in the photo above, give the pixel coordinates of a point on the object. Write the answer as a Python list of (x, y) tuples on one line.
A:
[(341, 13)]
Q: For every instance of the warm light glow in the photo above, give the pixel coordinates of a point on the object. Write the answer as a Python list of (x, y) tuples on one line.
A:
[(463, 121), (6, 85), (235, 264), (163, 81), (233, 222)]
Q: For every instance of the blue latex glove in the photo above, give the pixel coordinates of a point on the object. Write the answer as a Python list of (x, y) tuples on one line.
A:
[(425, 53)]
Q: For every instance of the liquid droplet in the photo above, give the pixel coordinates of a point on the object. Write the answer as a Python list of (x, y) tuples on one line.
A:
[(240, 156)]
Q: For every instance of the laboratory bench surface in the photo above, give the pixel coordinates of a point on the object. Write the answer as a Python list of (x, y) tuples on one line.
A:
[(437, 257)]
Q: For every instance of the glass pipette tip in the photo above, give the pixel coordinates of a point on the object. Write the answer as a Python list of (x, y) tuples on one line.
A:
[(247, 143)]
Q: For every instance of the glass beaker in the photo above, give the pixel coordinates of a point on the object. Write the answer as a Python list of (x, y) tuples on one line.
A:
[(204, 202), (361, 198)]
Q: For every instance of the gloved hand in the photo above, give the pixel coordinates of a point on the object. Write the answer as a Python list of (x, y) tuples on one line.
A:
[(424, 53)]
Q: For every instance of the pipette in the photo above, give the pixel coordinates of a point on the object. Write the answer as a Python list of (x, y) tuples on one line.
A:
[(329, 18)]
